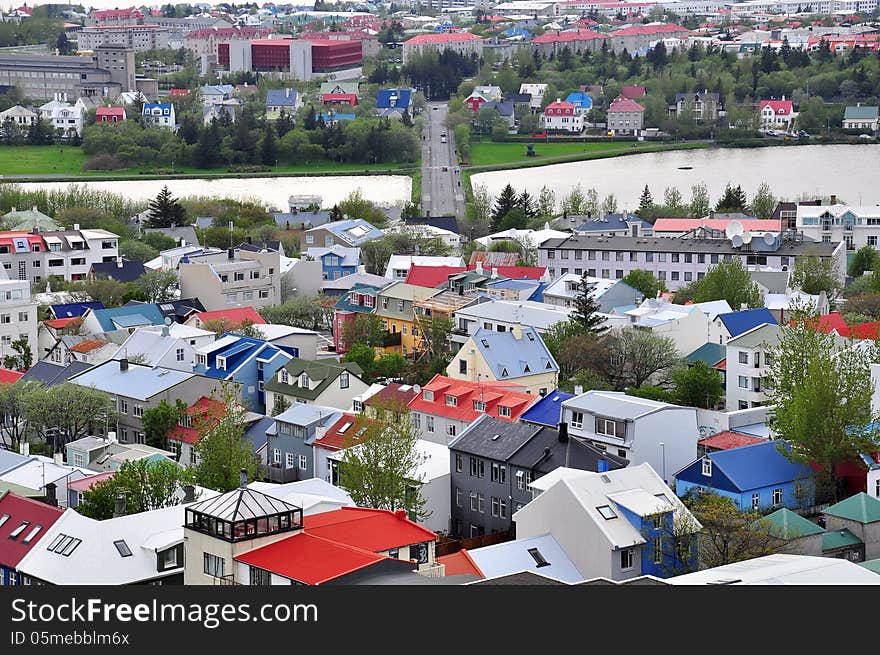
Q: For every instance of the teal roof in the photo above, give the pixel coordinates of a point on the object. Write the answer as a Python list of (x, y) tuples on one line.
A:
[(785, 524), (861, 507), (29, 219), (857, 113), (839, 539), (710, 353), (872, 565)]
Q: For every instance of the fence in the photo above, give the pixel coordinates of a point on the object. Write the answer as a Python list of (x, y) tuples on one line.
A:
[(449, 546)]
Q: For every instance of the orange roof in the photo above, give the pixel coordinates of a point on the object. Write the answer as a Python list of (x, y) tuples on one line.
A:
[(59, 323), (88, 345), (460, 563), (728, 440)]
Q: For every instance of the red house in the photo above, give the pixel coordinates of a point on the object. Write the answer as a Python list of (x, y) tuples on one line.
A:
[(23, 522), (109, 114)]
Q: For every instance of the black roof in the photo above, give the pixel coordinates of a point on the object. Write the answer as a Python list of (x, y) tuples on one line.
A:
[(128, 272), (572, 453), (493, 438), (518, 97), (521, 578), (257, 246), (179, 310), (442, 222), (50, 374)]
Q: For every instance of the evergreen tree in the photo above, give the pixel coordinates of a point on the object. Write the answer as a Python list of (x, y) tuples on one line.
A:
[(309, 121), (527, 204), (166, 211), (646, 202), (503, 204), (269, 146), (586, 308), (732, 200), (188, 130)]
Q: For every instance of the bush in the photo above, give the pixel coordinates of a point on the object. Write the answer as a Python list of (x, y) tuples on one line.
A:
[(105, 163)]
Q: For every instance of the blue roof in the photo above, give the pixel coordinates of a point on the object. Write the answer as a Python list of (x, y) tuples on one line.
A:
[(74, 309), (752, 467), (385, 96), (339, 117), (509, 357), (157, 105), (739, 322), (503, 108), (548, 410), (710, 353), (580, 99), (235, 354), (516, 31), (612, 222), (279, 98), (109, 319), (343, 303), (217, 89), (538, 295)]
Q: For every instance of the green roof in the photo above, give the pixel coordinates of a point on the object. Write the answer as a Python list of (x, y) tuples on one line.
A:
[(860, 113), (872, 565), (29, 219), (710, 353), (839, 539), (322, 371), (785, 524), (19, 490), (861, 507)]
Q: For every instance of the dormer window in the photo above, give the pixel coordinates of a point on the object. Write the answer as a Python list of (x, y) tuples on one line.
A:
[(479, 406), (221, 363), (504, 410), (304, 380), (427, 394), (284, 376), (452, 401), (707, 467)]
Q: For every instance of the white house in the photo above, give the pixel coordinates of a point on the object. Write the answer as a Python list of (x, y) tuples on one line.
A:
[(856, 226), (63, 116), (537, 93), (748, 358), (159, 113), (562, 116), (399, 265), (169, 346), (777, 114), (687, 325), (641, 430), (18, 316), (501, 315)]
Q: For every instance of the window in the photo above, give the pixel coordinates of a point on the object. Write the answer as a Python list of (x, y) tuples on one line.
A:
[(213, 565), (180, 354), (743, 382), (626, 559), (458, 463), (495, 472), (427, 394), (707, 466), (259, 577), (756, 500), (343, 380), (658, 550), (78, 459), (481, 503), (494, 506), (688, 276), (276, 456), (658, 521), (19, 529), (777, 496), (122, 548), (416, 418), (674, 276), (473, 502), (503, 410), (452, 401), (429, 423), (610, 428), (743, 357), (137, 411), (123, 406), (303, 462), (606, 512), (479, 406), (4, 518), (457, 497), (462, 366), (450, 430), (290, 460)]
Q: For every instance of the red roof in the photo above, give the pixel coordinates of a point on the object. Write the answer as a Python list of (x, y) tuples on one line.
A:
[(779, 107), (861, 331), (448, 37), (88, 345), (309, 558), (84, 484), (19, 509), (234, 317), (687, 224), (633, 92), (722, 365), (492, 394), (569, 35), (625, 104), (460, 563), (343, 433), (728, 440), (637, 30), (229, 32), (350, 98), (515, 272), (559, 104), (206, 411), (9, 377), (431, 276), (117, 13), (6, 239), (59, 323), (393, 394), (110, 111), (179, 92), (374, 530)]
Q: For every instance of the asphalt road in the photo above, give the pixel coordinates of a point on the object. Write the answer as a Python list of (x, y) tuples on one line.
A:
[(442, 193)]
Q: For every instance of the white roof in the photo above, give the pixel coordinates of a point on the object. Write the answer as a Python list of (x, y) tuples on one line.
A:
[(435, 464), (405, 261), (529, 237), (630, 486), (513, 557), (313, 495), (178, 330), (39, 470), (371, 391), (152, 346), (810, 211), (96, 560), (783, 570), (617, 404), (526, 312), (270, 331), (785, 300), (559, 286), (222, 342), (154, 264)]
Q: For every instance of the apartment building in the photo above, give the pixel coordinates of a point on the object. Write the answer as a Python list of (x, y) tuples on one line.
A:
[(235, 278), (139, 38), (32, 256), (856, 226), (464, 43), (749, 357), (18, 315)]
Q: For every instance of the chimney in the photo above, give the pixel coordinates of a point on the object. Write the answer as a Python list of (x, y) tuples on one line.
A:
[(362, 269), (833, 198), (111, 436), (286, 93), (602, 465), (516, 331), (563, 432), (249, 239), (165, 331), (189, 493), (51, 496), (231, 253), (58, 458), (26, 448), (242, 478), (123, 364), (34, 208), (743, 306), (119, 262), (480, 267), (119, 506), (578, 389), (494, 271)]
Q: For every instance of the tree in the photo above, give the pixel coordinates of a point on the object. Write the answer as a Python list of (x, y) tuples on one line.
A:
[(728, 280), (221, 451), (381, 470), (672, 199), (764, 202), (269, 146), (813, 274), (157, 286), (732, 200), (609, 205), (363, 355), (646, 282), (546, 203), (137, 251), (728, 535), (699, 206), (67, 412), (646, 202), (864, 259), (586, 308), (282, 404), (365, 329), (23, 358), (503, 204), (13, 410), (820, 392), (635, 356), (146, 485), (158, 421), (433, 341), (697, 386), (166, 211)]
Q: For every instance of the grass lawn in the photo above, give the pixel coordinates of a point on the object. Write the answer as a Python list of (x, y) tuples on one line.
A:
[(489, 153), (69, 160)]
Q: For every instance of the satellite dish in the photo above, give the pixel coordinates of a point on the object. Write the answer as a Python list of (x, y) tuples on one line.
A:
[(736, 241), (747, 237), (769, 239), (417, 389), (168, 320), (734, 229)]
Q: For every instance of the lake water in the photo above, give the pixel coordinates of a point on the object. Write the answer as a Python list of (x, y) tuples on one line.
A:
[(384, 190), (849, 171)]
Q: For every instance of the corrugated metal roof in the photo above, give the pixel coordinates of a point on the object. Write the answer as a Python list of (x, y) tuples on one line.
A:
[(548, 410), (861, 507), (139, 382)]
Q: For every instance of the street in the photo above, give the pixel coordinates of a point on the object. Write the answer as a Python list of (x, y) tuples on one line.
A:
[(442, 193)]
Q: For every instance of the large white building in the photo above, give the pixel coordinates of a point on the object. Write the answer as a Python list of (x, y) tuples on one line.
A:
[(748, 359), (18, 316), (856, 226), (64, 116)]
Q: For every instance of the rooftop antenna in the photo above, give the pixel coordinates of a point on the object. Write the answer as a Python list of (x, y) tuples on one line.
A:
[(230, 234)]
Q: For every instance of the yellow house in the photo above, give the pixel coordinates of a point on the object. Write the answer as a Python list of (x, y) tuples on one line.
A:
[(518, 355), (394, 307)]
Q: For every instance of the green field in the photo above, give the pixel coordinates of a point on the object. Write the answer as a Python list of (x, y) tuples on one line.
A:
[(491, 154), (52, 161)]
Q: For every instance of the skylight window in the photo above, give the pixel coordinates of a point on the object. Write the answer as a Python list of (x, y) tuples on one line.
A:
[(345, 427), (4, 518), (485, 343), (530, 336), (19, 529), (64, 544), (606, 479), (123, 548), (33, 533), (538, 557), (606, 512)]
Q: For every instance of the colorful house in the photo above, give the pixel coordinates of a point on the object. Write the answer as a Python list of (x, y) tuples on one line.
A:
[(23, 523), (109, 114), (336, 261), (396, 309)]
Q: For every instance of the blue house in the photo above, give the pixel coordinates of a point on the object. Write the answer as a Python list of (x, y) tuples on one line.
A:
[(287, 99), (73, 309), (336, 261), (546, 411), (733, 324), (580, 100), (245, 360), (755, 478), (290, 441), (393, 98)]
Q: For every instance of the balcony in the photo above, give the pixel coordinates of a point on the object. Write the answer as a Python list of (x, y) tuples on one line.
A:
[(391, 339), (279, 474)]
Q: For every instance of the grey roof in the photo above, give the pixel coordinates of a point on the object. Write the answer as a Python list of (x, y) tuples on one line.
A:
[(241, 504), (616, 404), (514, 556), (773, 281), (572, 453), (290, 219), (509, 357), (9, 460), (668, 244), (346, 282), (204, 222), (139, 382), (522, 578), (757, 336), (493, 438), (49, 374), (860, 113), (185, 232)]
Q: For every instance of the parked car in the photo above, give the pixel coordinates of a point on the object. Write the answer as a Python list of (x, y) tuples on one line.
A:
[(865, 136)]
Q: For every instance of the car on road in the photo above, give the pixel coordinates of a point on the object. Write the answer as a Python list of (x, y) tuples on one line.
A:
[(435, 108), (442, 139), (865, 136)]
